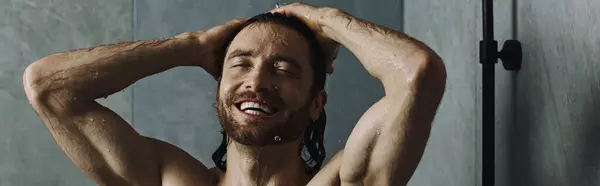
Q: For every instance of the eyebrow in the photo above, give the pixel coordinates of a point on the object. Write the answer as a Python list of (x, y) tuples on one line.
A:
[(273, 58), (240, 53)]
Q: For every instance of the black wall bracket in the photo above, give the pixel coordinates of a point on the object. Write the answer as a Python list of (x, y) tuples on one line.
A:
[(511, 56)]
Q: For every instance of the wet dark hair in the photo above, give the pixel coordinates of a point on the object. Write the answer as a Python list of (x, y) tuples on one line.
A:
[(312, 149)]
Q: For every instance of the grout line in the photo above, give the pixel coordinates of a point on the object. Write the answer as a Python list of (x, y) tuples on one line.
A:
[(478, 100), (402, 16), (133, 28)]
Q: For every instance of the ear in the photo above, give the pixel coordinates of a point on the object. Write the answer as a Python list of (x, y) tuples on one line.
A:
[(318, 105)]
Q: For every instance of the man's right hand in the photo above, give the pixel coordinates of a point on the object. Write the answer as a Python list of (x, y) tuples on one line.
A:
[(214, 42)]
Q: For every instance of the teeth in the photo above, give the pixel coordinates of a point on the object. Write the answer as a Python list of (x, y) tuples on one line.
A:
[(246, 105), (255, 112)]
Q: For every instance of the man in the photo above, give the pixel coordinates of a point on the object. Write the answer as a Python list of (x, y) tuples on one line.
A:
[(270, 103)]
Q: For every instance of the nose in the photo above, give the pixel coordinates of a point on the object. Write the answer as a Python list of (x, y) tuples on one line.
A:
[(260, 81)]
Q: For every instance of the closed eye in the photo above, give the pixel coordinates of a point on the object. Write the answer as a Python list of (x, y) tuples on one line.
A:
[(285, 71), (240, 63), (237, 65), (286, 68)]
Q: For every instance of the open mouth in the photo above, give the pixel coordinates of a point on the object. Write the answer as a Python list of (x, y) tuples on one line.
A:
[(256, 108)]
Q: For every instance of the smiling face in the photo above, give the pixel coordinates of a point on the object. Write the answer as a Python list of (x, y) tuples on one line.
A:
[(265, 87)]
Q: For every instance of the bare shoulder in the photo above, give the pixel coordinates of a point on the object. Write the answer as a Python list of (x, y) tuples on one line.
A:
[(329, 175), (180, 168)]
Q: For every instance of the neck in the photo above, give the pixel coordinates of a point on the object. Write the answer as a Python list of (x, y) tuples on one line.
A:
[(269, 165)]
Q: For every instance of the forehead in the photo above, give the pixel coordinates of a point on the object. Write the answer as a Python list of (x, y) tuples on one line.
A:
[(267, 39)]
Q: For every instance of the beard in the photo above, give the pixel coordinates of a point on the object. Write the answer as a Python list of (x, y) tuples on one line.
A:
[(262, 132)]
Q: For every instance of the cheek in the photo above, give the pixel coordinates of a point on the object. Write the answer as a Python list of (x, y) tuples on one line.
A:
[(295, 96), (224, 89), (230, 78)]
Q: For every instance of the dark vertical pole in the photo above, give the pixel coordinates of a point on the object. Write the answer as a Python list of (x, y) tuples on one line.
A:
[(511, 56), (489, 59)]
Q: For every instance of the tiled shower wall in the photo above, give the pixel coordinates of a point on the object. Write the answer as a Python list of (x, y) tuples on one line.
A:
[(547, 114)]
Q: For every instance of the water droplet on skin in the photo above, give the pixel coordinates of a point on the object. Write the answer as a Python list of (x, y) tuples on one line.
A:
[(378, 132), (91, 119)]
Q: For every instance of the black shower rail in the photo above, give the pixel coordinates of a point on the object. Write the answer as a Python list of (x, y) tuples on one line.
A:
[(511, 56)]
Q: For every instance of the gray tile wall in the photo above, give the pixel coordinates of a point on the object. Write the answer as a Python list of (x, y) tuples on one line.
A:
[(452, 29), (504, 29), (30, 30), (555, 139), (546, 115)]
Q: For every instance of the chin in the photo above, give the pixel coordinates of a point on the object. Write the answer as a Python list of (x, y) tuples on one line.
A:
[(251, 135), (249, 131), (261, 130)]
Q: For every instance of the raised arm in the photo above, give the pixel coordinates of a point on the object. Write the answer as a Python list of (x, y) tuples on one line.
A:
[(387, 143), (62, 89)]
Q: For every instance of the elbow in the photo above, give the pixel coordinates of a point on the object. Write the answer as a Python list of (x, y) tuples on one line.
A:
[(46, 89), (430, 78), (421, 68), (39, 91), (434, 70), (36, 81), (429, 69), (32, 82)]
